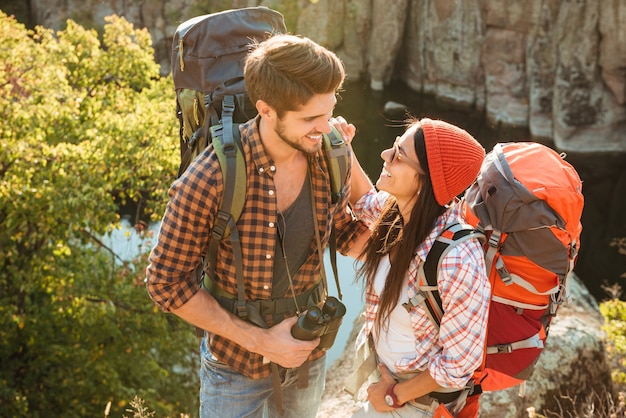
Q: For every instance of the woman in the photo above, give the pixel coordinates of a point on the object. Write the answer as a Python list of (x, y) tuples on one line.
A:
[(421, 367)]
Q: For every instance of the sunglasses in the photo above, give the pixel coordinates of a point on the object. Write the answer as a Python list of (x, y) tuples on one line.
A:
[(396, 154)]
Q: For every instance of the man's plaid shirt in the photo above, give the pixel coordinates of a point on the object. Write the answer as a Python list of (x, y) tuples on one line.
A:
[(185, 229), (456, 351)]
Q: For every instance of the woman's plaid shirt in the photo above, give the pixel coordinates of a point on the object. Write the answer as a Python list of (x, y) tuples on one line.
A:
[(184, 232), (456, 351)]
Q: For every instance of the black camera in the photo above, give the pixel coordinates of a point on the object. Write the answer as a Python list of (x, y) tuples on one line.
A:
[(323, 323)]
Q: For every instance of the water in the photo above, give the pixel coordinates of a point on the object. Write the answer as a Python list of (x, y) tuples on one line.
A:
[(352, 297), (126, 243)]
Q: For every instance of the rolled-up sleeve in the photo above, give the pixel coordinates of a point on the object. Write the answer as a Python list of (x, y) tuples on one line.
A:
[(183, 235), (369, 206)]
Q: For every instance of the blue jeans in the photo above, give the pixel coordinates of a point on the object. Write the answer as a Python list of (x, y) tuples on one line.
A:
[(226, 393)]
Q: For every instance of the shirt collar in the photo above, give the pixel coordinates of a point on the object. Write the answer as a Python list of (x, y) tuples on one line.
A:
[(251, 134)]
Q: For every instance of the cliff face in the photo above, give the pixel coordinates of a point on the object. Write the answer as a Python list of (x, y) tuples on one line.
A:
[(554, 67), (557, 67)]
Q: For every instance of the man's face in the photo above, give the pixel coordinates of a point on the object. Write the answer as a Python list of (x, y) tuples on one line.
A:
[(303, 128)]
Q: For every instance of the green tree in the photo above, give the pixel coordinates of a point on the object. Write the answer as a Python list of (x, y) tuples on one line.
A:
[(86, 128)]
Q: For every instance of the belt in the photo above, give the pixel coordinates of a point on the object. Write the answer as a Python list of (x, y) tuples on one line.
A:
[(441, 397), (280, 306)]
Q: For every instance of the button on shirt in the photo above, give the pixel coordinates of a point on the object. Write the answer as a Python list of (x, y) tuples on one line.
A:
[(453, 354), (184, 233)]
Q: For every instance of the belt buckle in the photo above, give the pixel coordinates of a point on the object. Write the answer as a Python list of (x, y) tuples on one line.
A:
[(422, 400), (425, 403), (268, 307)]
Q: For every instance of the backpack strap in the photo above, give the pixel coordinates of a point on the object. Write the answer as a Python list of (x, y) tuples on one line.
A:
[(337, 158), (230, 155), (318, 241), (191, 143), (428, 295), (227, 145), (493, 260), (495, 238), (534, 341), (228, 109)]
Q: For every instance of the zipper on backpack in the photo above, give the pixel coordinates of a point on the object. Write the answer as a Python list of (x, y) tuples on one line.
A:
[(180, 55)]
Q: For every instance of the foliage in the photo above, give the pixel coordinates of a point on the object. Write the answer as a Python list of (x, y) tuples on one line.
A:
[(88, 128), (138, 410), (614, 313)]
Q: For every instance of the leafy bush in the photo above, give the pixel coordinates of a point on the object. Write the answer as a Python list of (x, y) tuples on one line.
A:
[(87, 127), (614, 313)]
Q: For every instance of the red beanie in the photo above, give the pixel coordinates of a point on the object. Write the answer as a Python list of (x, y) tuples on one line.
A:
[(454, 158)]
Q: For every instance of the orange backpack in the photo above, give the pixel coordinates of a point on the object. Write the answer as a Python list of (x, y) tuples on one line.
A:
[(527, 203)]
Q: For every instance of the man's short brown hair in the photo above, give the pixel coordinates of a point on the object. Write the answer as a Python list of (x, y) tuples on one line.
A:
[(285, 71)]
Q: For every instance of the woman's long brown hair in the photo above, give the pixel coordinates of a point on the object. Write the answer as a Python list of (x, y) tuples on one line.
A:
[(390, 232)]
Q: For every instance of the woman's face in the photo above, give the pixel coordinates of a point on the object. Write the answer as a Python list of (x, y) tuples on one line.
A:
[(401, 171)]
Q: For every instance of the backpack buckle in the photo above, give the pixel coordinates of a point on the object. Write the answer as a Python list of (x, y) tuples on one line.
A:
[(416, 300), (228, 104), (219, 228), (504, 348), (503, 272), (242, 310), (494, 238)]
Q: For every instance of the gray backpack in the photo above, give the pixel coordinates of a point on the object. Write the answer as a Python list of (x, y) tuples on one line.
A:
[(208, 56)]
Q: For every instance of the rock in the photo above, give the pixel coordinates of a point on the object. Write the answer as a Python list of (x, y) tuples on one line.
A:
[(395, 109), (377, 85), (556, 67), (337, 403)]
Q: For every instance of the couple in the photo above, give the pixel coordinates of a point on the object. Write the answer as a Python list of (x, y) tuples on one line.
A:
[(294, 82)]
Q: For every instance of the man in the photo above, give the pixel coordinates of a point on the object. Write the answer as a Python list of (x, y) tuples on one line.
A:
[(293, 83)]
